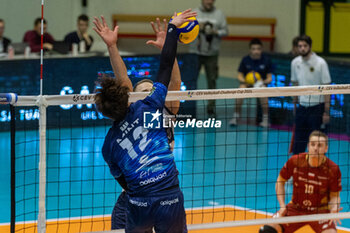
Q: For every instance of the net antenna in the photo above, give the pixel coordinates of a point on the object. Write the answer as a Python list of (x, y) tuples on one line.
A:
[(41, 47)]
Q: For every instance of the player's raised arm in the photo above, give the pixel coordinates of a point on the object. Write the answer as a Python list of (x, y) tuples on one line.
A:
[(110, 38), (168, 54), (281, 195), (160, 29)]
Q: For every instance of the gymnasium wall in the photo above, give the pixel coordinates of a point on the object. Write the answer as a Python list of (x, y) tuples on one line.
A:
[(61, 15)]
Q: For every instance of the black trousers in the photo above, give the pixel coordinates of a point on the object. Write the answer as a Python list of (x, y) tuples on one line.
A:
[(307, 119), (210, 64)]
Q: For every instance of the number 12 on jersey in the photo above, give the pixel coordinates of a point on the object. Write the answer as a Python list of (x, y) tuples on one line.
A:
[(128, 145)]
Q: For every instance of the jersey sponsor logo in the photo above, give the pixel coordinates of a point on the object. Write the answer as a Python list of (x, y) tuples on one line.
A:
[(315, 182), (152, 91), (153, 179), (153, 169), (302, 179), (138, 203), (299, 172), (309, 181), (169, 202), (307, 203), (145, 161)]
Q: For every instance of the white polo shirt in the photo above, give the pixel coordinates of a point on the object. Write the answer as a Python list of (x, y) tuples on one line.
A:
[(313, 71), (1, 45)]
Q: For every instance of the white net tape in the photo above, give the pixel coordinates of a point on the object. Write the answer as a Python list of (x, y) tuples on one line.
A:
[(51, 100)]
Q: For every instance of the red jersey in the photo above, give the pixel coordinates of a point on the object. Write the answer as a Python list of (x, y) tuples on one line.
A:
[(311, 185)]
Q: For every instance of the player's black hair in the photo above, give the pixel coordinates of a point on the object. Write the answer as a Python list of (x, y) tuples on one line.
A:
[(111, 98), (255, 41), (38, 21), (83, 17), (1, 21), (305, 38), (295, 41)]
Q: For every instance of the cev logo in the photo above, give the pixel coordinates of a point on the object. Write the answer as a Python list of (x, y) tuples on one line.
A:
[(67, 90)]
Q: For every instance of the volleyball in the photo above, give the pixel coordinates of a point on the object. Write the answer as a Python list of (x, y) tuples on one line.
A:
[(188, 31), (252, 77)]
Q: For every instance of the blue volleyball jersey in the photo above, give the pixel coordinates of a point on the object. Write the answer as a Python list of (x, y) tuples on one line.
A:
[(263, 66), (141, 154)]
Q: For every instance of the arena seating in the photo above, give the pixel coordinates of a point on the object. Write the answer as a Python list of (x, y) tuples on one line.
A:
[(138, 19)]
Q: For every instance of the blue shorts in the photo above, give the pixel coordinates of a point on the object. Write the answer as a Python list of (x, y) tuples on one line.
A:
[(166, 213), (119, 212)]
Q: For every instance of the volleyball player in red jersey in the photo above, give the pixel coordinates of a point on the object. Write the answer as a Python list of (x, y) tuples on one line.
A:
[(316, 187)]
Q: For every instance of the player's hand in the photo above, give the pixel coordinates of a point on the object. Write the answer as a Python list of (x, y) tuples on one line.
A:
[(325, 118), (178, 20), (48, 46), (335, 221), (160, 31), (108, 36), (280, 213), (259, 84), (87, 38)]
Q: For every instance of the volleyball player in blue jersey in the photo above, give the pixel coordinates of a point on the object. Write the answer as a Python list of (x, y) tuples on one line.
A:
[(118, 220), (139, 156)]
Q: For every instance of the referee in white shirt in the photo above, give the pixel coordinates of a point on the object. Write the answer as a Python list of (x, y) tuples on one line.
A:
[(312, 111)]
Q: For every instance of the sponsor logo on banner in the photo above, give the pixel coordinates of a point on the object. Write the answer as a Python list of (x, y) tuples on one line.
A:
[(77, 98)]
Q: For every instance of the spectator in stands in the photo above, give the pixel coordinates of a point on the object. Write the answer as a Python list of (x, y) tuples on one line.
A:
[(313, 111), (257, 64), (4, 42), (213, 27), (33, 37), (81, 34)]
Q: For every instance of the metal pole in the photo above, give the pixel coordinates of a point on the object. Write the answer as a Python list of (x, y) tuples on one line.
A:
[(13, 169), (42, 167)]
